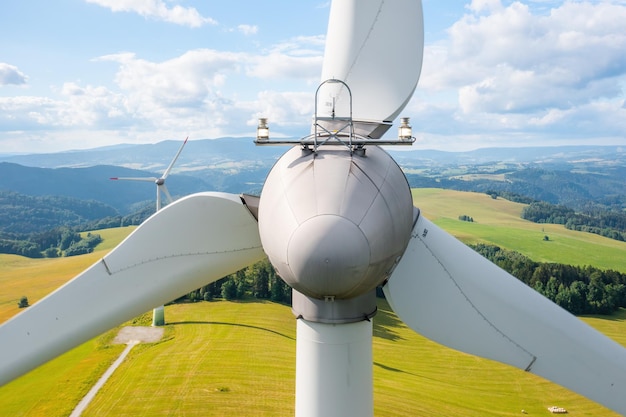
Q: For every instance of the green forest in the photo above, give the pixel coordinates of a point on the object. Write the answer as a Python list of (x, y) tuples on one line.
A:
[(593, 219), (50, 226), (580, 290), (258, 281)]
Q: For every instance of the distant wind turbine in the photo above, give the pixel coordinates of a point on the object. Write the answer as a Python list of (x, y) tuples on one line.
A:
[(160, 182), (158, 314)]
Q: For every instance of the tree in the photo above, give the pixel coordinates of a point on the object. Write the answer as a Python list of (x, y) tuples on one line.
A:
[(259, 275), (578, 297), (23, 303), (552, 288), (279, 290), (596, 294), (213, 290), (229, 289), (51, 252)]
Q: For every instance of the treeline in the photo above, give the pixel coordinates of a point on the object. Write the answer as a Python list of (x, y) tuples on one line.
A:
[(133, 219), (53, 243), (514, 197), (611, 224), (580, 290), (258, 281)]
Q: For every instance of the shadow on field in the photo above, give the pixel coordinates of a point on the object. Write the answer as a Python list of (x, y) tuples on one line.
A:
[(219, 323), (619, 315), (391, 369), (386, 322)]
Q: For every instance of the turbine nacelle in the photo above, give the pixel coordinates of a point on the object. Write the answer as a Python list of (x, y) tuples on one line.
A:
[(334, 222)]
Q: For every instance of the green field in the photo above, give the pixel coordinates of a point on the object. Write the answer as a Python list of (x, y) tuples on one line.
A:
[(498, 222), (220, 358), (237, 358)]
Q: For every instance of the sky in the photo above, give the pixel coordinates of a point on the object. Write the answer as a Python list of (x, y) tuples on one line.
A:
[(77, 74)]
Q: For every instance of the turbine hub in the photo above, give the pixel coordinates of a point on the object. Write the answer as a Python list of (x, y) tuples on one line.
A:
[(334, 223), (330, 252)]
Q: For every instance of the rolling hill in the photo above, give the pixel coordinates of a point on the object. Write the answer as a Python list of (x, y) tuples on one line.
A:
[(498, 222)]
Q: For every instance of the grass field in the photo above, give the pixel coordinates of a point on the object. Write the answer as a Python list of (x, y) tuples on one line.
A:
[(237, 358), (498, 222), (35, 278)]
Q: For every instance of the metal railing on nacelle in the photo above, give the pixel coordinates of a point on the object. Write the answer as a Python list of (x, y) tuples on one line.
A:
[(337, 130)]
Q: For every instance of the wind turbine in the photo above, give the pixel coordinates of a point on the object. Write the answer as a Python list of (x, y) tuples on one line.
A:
[(160, 182), (336, 219), (158, 313)]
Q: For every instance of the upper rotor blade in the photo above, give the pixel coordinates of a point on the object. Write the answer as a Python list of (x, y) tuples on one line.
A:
[(376, 48), (447, 292), (169, 168), (190, 243)]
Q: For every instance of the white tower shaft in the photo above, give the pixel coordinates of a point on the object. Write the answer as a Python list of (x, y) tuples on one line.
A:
[(334, 369)]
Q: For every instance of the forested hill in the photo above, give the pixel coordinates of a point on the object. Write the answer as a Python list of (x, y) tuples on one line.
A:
[(577, 190), (22, 214), (93, 183), (608, 223)]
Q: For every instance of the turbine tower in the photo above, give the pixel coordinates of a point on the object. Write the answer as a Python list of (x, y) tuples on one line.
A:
[(336, 219), (158, 313)]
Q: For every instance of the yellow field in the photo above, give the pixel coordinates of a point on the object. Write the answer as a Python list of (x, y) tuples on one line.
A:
[(35, 278)]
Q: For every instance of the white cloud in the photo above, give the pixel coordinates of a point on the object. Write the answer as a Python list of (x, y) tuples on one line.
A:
[(195, 93), (507, 72), (78, 107), (487, 5), (190, 89), (248, 29), (283, 108), (277, 65), (513, 69), (159, 10), (10, 74)]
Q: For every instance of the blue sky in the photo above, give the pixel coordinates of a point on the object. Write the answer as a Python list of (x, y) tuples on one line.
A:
[(86, 73)]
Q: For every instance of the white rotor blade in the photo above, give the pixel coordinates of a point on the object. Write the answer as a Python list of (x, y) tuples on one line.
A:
[(145, 179), (376, 48), (167, 193), (190, 243), (169, 168), (445, 291)]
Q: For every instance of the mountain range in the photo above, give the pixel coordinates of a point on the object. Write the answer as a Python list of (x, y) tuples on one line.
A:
[(572, 175)]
